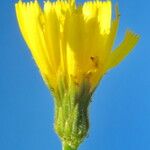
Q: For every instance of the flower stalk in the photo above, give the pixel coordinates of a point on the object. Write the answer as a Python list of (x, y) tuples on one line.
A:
[(67, 147)]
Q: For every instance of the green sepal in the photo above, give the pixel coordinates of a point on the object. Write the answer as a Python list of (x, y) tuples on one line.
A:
[(71, 112)]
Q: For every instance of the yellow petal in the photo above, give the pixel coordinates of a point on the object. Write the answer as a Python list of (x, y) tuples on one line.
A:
[(113, 32), (122, 50), (52, 34), (74, 34), (28, 15), (104, 16)]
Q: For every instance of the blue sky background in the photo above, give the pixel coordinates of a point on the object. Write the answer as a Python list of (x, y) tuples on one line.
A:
[(119, 113)]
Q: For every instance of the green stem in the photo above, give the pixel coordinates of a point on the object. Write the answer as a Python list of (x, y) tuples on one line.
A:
[(67, 147)]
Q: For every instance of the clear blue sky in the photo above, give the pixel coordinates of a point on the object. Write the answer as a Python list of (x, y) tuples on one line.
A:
[(119, 113)]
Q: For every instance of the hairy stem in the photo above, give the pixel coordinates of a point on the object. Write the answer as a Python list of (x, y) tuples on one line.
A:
[(67, 147)]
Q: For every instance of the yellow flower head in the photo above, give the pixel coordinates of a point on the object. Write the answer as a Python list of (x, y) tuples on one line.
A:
[(71, 41), (72, 47)]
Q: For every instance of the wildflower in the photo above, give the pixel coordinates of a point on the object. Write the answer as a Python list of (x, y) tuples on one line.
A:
[(72, 47)]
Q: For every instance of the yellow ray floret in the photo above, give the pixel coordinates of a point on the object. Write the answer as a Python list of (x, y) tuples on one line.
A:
[(73, 41), (117, 55)]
